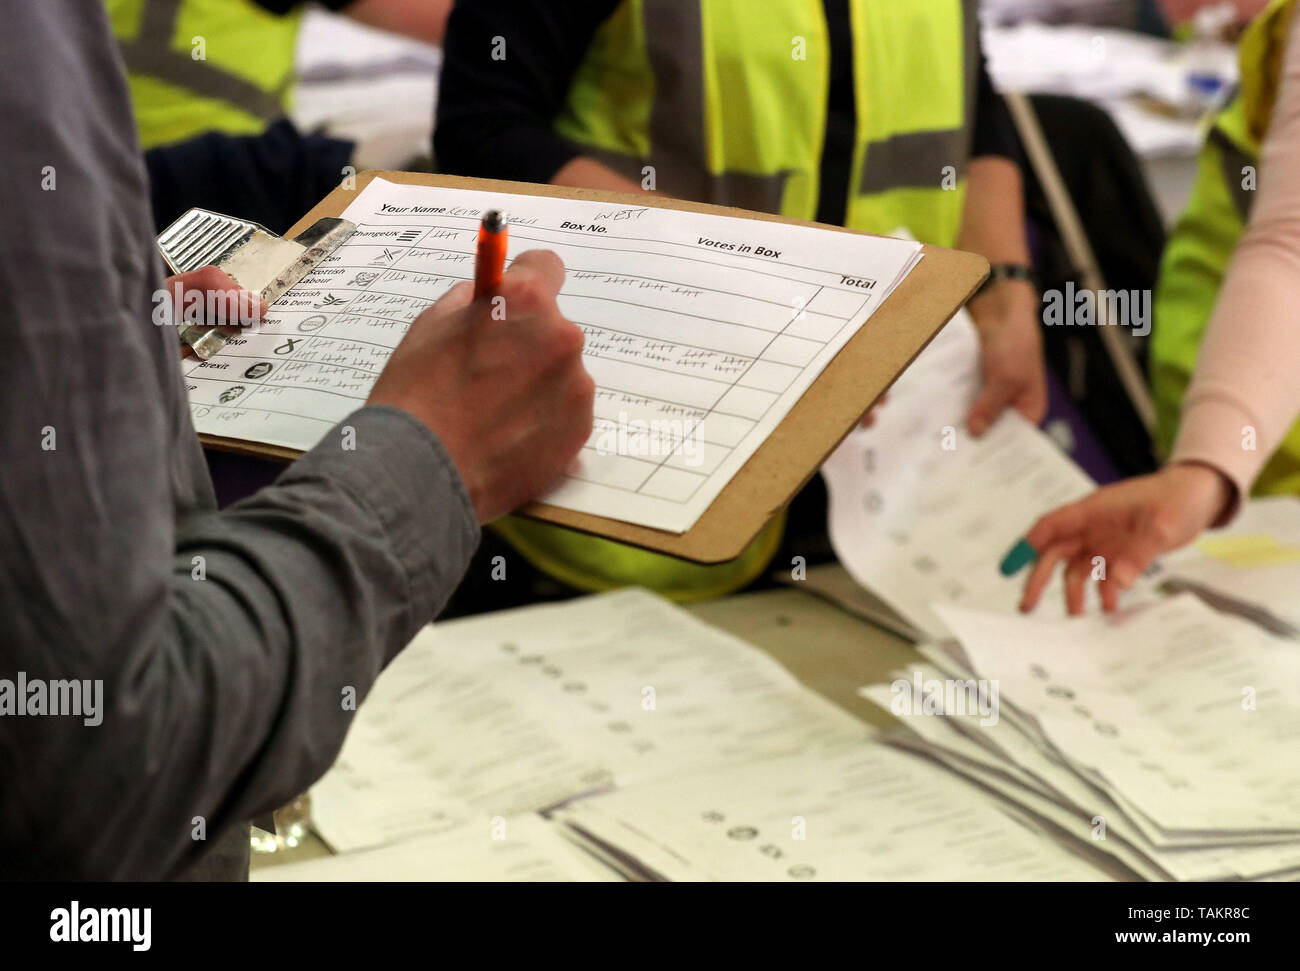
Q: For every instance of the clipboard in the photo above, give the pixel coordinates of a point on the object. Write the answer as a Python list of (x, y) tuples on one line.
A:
[(850, 385)]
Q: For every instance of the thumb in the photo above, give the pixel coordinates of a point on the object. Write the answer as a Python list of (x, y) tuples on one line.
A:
[(990, 403), (220, 299), (1032, 402)]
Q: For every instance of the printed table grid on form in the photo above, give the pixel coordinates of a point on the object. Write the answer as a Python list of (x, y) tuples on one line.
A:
[(697, 353)]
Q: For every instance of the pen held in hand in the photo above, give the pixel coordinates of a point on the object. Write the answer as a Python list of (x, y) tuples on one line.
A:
[(490, 254)]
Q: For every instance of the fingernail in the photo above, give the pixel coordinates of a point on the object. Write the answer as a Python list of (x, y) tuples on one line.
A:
[(1021, 555)]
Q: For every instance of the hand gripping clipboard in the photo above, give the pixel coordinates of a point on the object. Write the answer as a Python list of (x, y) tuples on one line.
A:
[(862, 371), (252, 255)]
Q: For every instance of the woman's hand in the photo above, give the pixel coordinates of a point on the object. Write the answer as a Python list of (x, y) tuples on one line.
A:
[(1012, 368), (1128, 525)]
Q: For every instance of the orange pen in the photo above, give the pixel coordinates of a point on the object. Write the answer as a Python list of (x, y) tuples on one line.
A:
[(490, 256)]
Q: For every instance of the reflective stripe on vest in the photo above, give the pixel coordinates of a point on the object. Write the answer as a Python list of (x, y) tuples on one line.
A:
[(918, 159), (151, 53), (235, 83), (674, 49), (724, 111)]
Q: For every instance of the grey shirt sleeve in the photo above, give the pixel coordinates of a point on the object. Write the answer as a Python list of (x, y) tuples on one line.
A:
[(228, 644)]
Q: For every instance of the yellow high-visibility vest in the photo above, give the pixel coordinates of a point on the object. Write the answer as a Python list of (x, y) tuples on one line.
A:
[(725, 101), (196, 66), (1208, 232)]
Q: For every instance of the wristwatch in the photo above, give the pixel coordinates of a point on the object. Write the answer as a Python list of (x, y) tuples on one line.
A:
[(999, 272)]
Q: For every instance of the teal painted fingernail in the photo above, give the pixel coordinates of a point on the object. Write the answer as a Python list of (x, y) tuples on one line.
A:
[(1021, 555)]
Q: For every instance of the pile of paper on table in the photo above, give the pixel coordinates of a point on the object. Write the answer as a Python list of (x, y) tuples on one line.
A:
[(653, 743), (1165, 737)]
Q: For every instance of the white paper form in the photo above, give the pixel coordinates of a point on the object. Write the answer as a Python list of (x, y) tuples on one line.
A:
[(521, 849), (525, 709), (1006, 759), (921, 513), (969, 761), (375, 795), (866, 812), (702, 332), (1190, 717)]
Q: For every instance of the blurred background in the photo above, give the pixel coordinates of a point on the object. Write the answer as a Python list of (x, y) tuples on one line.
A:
[(258, 108), (1157, 67)]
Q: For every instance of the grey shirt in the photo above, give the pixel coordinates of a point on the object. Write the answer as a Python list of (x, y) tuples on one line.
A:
[(228, 643)]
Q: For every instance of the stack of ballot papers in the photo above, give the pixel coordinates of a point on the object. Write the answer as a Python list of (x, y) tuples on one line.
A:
[(654, 743), (526, 709), (861, 812), (1165, 736)]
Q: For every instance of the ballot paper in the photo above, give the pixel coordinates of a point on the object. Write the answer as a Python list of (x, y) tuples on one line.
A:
[(1038, 787), (521, 849), (1196, 727), (350, 811), (525, 709), (921, 513), (864, 812), (1172, 724), (1251, 568), (702, 332), (1026, 771)]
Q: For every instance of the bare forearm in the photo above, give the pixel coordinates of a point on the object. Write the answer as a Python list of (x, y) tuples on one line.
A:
[(993, 225), (1006, 314), (424, 20), (993, 222), (587, 173)]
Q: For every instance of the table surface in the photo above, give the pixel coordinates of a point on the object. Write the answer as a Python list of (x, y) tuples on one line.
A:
[(830, 650)]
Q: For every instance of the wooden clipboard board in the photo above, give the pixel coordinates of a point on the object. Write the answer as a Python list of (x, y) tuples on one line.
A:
[(854, 380)]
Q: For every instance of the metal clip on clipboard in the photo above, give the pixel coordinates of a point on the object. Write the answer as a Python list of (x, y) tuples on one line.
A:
[(253, 256)]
